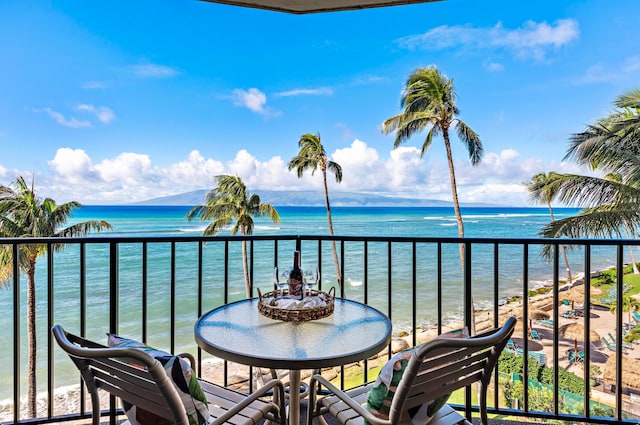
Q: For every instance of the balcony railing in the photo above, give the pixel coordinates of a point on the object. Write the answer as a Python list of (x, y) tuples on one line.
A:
[(154, 289)]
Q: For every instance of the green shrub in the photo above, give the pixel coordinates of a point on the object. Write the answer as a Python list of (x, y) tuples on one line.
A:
[(606, 277), (512, 363)]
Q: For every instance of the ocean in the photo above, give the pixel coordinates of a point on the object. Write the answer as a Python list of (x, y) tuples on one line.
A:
[(348, 221)]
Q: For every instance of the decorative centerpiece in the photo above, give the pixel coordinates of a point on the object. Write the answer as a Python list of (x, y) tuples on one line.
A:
[(315, 305)]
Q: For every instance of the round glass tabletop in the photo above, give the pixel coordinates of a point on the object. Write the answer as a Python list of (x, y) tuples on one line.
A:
[(239, 333)]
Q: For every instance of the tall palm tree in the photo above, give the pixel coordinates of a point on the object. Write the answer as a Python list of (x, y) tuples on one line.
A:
[(24, 215), (311, 157), (611, 146), (541, 190), (230, 202), (429, 103)]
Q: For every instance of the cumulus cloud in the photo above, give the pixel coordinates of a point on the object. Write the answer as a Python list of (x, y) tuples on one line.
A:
[(102, 113), (253, 99), (154, 71), (531, 40), (67, 122), (130, 176), (74, 166)]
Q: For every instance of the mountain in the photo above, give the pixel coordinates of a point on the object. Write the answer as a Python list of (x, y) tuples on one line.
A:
[(309, 198)]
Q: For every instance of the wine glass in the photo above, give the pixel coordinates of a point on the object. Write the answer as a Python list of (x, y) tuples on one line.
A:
[(311, 279), (281, 283)]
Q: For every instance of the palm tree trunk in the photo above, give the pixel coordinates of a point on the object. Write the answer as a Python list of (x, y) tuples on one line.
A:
[(562, 247), (333, 243), (31, 339), (454, 193), (633, 261), (456, 209), (245, 266)]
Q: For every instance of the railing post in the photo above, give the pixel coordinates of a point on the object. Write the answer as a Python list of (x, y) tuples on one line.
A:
[(16, 332), (469, 314), (113, 311)]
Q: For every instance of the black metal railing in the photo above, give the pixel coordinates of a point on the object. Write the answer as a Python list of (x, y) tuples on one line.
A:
[(154, 288)]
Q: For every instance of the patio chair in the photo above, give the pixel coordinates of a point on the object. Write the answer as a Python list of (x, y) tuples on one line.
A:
[(140, 379), (547, 323), (539, 358), (534, 335), (611, 345), (613, 341), (435, 369)]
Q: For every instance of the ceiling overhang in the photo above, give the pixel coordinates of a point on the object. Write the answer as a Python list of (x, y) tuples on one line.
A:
[(300, 7)]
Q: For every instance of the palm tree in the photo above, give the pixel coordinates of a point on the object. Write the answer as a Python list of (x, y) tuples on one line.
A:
[(313, 156), (629, 304), (611, 206), (230, 202), (24, 215), (541, 190), (429, 102)]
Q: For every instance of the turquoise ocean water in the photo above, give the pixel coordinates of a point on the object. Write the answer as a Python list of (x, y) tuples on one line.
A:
[(348, 221)]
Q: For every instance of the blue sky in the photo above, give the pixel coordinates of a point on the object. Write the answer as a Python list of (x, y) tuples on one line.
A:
[(109, 102)]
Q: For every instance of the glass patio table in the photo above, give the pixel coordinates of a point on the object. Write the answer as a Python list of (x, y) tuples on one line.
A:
[(239, 333)]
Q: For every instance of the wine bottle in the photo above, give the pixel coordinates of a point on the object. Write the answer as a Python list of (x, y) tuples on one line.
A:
[(295, 278)]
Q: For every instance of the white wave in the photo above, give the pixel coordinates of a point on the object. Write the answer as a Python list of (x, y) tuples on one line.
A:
[(503, 215), (266, 227), (354, 282), (448, 224), (192, 229)]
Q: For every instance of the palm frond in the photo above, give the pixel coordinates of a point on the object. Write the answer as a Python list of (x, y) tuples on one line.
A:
[(593, 223), (336, 169), (472, 141)]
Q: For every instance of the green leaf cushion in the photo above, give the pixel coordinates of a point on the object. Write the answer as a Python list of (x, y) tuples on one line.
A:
[(184, 380), (381, 394)]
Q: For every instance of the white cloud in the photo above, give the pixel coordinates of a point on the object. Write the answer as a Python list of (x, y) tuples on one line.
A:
[(74, 166), (599, 73), (67, 122), (194, 168), (322, 91), (532, 40), (131, 177), (102, 113), (631, 64), (154, 71), (252, 99), (90, 85), (494, 67)]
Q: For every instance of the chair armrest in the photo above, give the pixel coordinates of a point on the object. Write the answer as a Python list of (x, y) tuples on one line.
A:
[(275, 384), (358, 408)]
